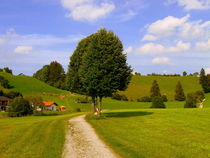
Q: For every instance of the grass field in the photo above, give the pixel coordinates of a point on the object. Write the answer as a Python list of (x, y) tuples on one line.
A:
[(140, 85), (33, 136), (147, 133), (30, 85)]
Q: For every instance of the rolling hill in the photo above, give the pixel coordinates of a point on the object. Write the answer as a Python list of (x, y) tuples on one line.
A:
[(140, 85), (30, 85)]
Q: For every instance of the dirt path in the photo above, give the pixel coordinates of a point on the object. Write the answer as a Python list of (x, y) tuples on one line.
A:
[(82, 141)]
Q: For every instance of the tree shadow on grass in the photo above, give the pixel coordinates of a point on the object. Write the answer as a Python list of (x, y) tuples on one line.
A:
[(127, 114)]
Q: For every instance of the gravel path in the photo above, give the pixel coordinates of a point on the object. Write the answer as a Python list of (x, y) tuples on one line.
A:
[(82, 141)]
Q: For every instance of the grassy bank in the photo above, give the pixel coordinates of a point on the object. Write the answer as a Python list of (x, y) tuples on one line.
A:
[(152, 133), (33, 136)]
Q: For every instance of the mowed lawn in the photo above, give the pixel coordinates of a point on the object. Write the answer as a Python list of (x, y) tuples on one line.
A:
[(33, 136), (150, 133)]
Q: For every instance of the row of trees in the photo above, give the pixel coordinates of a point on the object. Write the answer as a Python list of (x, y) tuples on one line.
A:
[(98, 67), (52, 74)]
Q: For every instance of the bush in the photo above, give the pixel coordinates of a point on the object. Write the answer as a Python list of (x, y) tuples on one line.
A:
[(117, 96), (4, 82), (20, 107), (13, 94), (164, 97), (193, 99), (7, 70), (157, 102), (144, 99)]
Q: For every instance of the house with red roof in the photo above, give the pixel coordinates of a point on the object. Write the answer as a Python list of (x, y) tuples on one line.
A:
[(49, 106)]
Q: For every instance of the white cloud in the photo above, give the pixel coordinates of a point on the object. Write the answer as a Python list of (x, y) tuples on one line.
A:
[(128, 50), (149, 38), (2, 41), (87, 10), (167, 26), (178, 27), (23, 49), (203, 46), (129, 15), (161, 61), (191, 4), (153, 48)]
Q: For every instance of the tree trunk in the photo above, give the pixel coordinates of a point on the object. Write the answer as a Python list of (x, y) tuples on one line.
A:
[(93, 105), (100, 105)]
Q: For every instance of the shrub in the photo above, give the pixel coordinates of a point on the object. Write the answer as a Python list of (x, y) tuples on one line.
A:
[(13, 94), (144, 99), (164, 97), (157, 102), (20, 107), (4, 82), (117, 96), (193, 99)]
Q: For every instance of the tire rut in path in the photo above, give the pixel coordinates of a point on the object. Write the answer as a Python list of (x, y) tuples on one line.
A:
[(83, 142)]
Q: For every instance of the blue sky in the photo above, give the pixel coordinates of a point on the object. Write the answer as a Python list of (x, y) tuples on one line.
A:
[(162, 36)]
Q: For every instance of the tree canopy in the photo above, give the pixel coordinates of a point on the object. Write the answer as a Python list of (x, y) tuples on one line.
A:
[(102, 69)]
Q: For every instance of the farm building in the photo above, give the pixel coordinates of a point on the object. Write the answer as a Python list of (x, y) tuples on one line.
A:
[(49, 106), (4, 103)]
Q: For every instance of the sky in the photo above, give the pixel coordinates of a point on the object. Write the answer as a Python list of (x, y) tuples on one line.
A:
[(160, 36)]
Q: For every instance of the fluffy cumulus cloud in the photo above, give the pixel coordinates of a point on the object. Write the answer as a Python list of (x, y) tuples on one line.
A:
[(203, 46), (191, 4), (23, 49), (161, 61), (181, 28), (153, 48), (87, 10)]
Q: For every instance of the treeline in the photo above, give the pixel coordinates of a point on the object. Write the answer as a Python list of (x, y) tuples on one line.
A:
[(6, 69), (52, 74)]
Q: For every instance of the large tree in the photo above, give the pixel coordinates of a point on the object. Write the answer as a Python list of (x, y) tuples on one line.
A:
[(204, 81), (103, 70), (179, 92), (155, 90)]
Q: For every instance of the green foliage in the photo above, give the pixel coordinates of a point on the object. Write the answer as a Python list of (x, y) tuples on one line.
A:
[(7, 70), (13, 94), (184, 73), (19, 107), (157, 102), (35, 102), (4, 82), (155, 90), (52, 74), (117, 96), (145, 99), (42, 74), (164, 97), (179, 92), (1, 70), (204, 81), (83, 100), (193, 99), (1, 93), (74, 83)]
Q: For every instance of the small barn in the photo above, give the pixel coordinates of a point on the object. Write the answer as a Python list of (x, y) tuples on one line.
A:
[(49, 106), (4, 103)]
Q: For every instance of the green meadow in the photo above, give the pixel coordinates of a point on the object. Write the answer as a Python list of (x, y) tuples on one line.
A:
[(149, 133)]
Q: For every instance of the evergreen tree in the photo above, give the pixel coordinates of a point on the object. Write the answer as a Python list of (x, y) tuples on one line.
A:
[(204, 81), (155, 90), (179, 92)]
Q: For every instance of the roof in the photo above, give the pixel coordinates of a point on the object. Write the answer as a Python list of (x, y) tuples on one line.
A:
[(3, 98), (46, 103)]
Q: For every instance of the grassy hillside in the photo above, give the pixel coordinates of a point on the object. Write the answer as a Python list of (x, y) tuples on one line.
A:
[(140, 85), (150, 133), (29, 85), (33, 137)]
